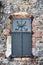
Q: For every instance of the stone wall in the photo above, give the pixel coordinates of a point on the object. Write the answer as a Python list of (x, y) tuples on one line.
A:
[(38, 34)]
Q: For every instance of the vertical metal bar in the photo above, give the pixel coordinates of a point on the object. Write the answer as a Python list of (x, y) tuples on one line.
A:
[(21, 41)]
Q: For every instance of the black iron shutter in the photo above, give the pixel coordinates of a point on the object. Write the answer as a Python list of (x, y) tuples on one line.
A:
[(16, 44), (21, 33), (27, 44)]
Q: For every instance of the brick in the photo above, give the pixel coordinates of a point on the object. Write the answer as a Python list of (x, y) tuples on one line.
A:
[(9, 27), (2, 54), (6, 32), (33, 36), (9, 21), (33, 41), (26, 59), (9, 24), (33, 24), (37, 34), (21, 59), (20, 16)]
